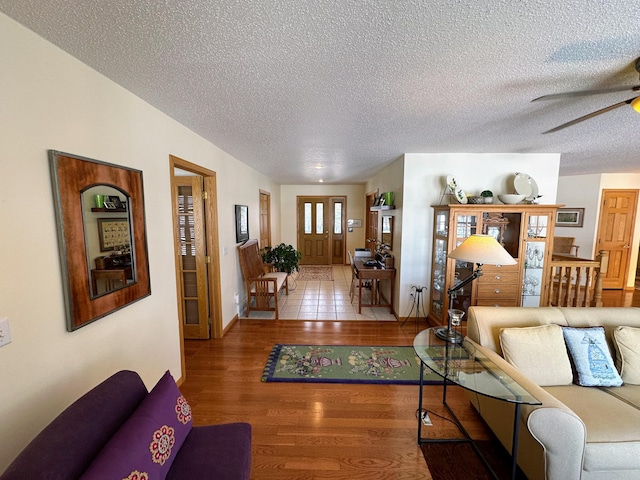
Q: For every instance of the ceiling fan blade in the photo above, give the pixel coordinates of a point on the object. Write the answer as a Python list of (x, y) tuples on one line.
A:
[(591, 115), (582, 93)]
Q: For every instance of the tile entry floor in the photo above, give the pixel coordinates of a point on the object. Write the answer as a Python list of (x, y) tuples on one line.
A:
[(324, 300)]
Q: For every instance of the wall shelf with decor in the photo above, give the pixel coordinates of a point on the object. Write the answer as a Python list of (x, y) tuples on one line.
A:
[(109, 210), (524, 230), (383, 208)]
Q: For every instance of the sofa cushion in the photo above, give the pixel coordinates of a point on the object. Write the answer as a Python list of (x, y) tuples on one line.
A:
[(538, 352), (613, 438), (65, 448), (591, 357), (214, 452), (147, 443), (627, 343)]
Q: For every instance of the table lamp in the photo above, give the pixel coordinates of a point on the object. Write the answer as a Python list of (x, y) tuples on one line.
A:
[(478, 249)]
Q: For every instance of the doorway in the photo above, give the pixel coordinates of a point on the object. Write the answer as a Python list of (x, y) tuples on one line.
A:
[(265, 219), (196, 247), (615, 234), (321, 229)]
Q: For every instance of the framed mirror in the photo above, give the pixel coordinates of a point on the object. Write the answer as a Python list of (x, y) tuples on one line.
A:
[(387, 230), (101, 236)]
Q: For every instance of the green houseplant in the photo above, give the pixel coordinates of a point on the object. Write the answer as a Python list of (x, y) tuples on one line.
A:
[(487, 195), (284, 257)]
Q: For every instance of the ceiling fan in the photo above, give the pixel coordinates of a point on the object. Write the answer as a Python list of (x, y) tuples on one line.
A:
[(634, 102)]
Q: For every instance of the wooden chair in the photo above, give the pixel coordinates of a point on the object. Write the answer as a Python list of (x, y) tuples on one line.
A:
[(577, 282), (565, 245), (261, 287), (354, 276)]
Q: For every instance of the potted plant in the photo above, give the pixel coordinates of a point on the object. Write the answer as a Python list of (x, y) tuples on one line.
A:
[(487, 195), (284, 258)]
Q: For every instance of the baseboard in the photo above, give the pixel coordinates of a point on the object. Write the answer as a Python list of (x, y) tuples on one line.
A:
[(230, 325)]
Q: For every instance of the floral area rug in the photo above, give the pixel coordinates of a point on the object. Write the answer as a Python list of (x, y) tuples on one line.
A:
[(315, 272), (345, 364)]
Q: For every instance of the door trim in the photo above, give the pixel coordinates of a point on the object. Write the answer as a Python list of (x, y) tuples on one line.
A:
[(212, 245)]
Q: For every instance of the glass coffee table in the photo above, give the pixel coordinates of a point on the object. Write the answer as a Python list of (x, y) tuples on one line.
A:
[(461, 364)]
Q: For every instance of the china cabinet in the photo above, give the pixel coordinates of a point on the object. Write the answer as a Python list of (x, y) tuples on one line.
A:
[(525, 231)]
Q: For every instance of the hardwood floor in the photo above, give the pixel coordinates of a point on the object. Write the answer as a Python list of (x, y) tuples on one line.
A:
[(315, 431), (322, 431)]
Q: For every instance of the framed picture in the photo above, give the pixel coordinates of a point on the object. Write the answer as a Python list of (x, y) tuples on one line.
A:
[(570, 217), (113, 232), (116, 201), (242, 223)]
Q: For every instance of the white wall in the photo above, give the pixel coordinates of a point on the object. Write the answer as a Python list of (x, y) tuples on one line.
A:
[(52, 101), (586, 191), (424, 183)]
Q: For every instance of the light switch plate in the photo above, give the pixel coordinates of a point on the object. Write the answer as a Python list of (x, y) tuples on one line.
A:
[(5, 333)]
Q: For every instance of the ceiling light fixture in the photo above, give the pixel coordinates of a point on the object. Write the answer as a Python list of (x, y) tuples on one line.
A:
[(321, 181), (635, 104)]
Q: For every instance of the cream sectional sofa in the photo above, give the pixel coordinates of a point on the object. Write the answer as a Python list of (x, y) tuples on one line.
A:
[(578, 432)]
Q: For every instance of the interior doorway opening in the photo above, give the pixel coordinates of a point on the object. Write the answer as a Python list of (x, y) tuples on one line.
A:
[(196, 251)]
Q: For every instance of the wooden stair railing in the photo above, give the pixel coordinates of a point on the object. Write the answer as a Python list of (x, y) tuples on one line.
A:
[(577, 282)]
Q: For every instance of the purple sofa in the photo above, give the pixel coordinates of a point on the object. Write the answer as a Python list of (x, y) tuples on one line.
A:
[(78, 438)]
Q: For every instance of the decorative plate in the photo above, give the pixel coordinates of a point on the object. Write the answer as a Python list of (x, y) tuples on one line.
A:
[(526, 185), (457, 191)]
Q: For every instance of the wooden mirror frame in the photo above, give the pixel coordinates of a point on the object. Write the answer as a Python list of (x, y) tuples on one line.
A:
[(71, 175)]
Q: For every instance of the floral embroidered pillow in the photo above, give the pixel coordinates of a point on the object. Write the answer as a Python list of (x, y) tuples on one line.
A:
[(146, 445), (591, 358)]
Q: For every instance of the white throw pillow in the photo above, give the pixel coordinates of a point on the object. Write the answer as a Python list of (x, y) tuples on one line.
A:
[(591, 357), (627, 342), (538, 352)]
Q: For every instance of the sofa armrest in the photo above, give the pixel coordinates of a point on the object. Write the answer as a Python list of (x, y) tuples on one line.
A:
[(559, 431)]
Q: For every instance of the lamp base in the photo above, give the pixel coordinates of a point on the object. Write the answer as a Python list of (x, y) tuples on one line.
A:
[(449, 335)]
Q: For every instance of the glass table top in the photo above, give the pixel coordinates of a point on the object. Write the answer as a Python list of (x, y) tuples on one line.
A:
[(463, 365)]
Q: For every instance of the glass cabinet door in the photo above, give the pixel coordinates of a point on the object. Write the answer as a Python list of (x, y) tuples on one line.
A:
[(439, 272), (465, 225), (439, 269), (535, 256)]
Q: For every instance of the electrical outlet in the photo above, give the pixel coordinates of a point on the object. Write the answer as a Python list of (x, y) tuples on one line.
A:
[(426, 420), (5, 333)]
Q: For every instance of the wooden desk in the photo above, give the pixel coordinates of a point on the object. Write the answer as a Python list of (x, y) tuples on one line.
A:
[(375, 274), (110, 276)]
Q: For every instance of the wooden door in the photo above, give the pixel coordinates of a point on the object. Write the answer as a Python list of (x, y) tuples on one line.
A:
[(190, 235), (265, 219), (313, 230), (371, 228), (615, 232), (338, 225)]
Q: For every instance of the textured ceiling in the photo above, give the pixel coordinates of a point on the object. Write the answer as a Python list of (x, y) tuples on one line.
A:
[(288, 85)]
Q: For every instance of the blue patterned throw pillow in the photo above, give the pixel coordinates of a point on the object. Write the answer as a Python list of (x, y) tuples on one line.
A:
[(591, 357)]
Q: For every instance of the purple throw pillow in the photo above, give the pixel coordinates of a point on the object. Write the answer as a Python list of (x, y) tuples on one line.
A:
[(147, 443)]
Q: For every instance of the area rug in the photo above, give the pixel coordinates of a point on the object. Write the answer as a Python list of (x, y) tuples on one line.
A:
[(345, 364), (316, 272), (453, 461)]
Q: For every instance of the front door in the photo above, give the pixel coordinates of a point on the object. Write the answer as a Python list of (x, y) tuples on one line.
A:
[(615, 232), (313, 230)]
